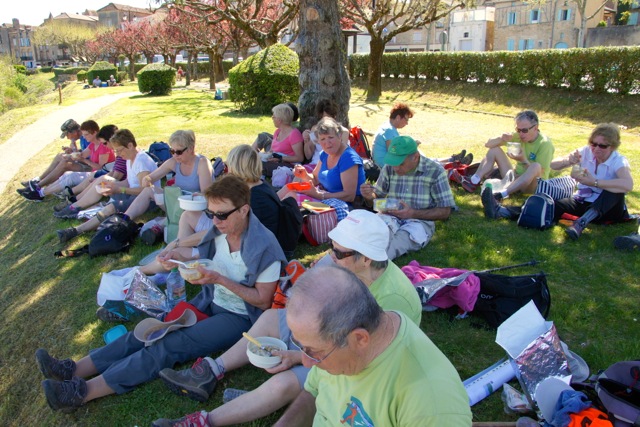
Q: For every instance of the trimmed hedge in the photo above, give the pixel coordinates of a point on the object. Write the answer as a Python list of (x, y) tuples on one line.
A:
[(68, 70), (102, 69), (203, 67), (82, 76), (22, 69), (268, 78), (600, 69), (156, 79), (46, 69)]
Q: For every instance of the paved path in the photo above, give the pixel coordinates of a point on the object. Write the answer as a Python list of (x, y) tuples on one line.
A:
[(28, 142)]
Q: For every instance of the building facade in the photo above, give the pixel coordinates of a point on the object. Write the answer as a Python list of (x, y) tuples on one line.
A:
[(15, 41), (472, 29), (116, 15)]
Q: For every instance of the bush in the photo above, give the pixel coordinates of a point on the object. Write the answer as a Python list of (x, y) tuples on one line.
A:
[(68, 70), (156, 79), (101, 69), (20, 69), (599, 69), (268, 78), (82, 76), (121, 77), (46, 69)]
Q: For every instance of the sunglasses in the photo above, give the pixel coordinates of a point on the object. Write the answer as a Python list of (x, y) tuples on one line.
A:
[(306, 352), (603, 146), (341, 254), (221, 216), (525, 130), (177, 152)]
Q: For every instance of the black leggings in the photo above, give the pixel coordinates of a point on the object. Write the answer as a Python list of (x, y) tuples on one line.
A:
[(610, 206)]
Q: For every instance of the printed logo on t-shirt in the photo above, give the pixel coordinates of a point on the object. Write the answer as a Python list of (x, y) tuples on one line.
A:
[(532, 157), (355, 415)]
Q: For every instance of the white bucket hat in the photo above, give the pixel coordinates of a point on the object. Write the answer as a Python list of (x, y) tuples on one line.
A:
[(365, 232), (151, 329)]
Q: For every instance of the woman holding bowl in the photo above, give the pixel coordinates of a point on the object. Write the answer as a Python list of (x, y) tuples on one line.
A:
[(603, 176), (239, 286), (286, 146)]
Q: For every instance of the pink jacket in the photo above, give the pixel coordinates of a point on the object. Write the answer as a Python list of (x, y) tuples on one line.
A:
[(464, 295)]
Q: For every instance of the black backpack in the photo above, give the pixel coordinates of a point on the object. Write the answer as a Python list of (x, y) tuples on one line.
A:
[(289, 224), (537, 212), (500, 296), (115, 234)]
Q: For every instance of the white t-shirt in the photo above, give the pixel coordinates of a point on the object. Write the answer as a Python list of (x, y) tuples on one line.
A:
[(606, 170), (231, 265), (143, 162)]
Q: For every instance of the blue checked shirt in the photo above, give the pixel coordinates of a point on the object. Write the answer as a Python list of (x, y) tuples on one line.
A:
[(425, 188)]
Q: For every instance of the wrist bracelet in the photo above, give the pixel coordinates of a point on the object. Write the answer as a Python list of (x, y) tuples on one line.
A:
[(123, 190), (177, 243)]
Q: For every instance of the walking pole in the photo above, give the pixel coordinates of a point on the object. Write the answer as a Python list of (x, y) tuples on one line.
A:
[(524, 264)]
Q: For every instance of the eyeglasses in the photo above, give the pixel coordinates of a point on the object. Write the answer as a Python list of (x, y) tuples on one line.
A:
[(118, 150), (177, 152), (341, 254), (221, 216), (603, 146), (525, 130), (306, 352)]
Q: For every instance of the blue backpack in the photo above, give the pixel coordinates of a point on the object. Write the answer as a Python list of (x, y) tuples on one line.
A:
[(159, 152), (537, 212)]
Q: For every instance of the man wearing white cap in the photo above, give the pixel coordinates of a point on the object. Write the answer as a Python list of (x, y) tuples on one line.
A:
[(358, 244), (420, 186)]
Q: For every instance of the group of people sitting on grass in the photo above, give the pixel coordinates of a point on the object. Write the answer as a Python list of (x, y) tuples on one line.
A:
[(335, 358)]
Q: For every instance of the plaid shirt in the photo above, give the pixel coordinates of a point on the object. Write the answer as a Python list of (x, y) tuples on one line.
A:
[(425, 188)]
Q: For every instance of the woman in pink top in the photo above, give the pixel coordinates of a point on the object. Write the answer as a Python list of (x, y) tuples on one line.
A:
[(286, 146)]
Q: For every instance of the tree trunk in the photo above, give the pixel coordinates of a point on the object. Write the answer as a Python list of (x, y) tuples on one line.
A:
[(219, 69), (212, 70), (374, 89), (323, 60), (187, 74), (132, 67)]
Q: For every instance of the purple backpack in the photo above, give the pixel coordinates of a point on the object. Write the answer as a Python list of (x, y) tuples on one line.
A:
[(618, 388)]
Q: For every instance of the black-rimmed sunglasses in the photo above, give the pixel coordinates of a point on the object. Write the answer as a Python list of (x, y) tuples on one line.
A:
[(221, 216), (524, 130), (603, 146), (177, 152), (341, 254)]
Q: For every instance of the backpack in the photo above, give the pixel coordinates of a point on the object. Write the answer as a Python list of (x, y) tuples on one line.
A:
[(618, 388), (500, 296), (219, 167), (537, 212), (292, 271), (289, 223), (159, 152), (358, 141), (115, 234)]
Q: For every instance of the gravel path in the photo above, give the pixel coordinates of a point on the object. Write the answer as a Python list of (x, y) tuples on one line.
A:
[(28, 142)]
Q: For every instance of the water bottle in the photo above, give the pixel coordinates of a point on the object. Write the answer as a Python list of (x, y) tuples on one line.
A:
[(176, 290)]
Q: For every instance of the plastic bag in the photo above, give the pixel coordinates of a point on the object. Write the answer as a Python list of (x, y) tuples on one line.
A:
[(146, 296), (281, 176), (115, 284), (499, 184)]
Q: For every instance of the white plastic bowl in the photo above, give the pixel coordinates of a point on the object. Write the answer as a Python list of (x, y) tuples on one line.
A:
[(265, 362), (190, 274), (192, 203), (100, 189)]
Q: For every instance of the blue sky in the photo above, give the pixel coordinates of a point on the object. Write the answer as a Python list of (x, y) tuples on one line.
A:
[(34, 12)]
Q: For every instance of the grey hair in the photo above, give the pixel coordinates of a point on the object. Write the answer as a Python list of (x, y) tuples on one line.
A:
[(184, 138), (529, 115), (328, 125), (343, 303), (376, 265)]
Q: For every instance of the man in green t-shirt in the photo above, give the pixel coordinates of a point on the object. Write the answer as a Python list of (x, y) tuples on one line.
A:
[(369, 367)]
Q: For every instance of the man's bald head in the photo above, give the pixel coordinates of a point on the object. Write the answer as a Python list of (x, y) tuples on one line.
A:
[(336, 300)]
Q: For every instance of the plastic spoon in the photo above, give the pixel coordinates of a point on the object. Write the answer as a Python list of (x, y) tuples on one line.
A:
[(256, 342), (179, 262)]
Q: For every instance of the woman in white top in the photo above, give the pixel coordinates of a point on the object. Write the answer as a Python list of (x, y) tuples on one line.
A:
[(122, 193), (603, 179)]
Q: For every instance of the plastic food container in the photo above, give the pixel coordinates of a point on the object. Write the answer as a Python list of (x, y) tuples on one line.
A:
[(192, 273), (389, 203), (514, 148), (114, 333), (299, 186), (192, 203), (262, 361)]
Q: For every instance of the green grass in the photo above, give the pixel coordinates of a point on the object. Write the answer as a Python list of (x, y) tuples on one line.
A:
[(50, 303)]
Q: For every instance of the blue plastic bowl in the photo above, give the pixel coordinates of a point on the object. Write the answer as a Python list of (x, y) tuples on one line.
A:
[(114, 333)]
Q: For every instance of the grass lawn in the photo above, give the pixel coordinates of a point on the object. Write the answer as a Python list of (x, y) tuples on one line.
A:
[(50, 303)]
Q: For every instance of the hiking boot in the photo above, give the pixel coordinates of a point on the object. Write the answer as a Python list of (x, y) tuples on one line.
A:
[(152, 235), (627, 243), (67, 234), (26, 183), (231, 393), (60, 206), (23, 191), (65, 396), (34, 196), (467, 160), (197, 419), (197, 383), (53, 368), (576, 229), (490, 204), (109, 316), (458, 157), (69, 212)]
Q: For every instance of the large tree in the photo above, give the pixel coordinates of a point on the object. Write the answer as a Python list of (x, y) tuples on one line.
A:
[(385, 19), (69, 37), (263, 21), (323, 59)]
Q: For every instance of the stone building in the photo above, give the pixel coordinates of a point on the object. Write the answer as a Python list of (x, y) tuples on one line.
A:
[(15, 41)]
